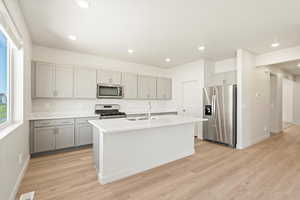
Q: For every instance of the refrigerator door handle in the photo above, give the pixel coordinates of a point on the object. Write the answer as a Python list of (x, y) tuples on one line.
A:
[(213, 105)]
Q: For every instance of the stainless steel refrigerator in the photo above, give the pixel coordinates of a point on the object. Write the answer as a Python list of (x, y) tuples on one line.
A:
[(220, 108)]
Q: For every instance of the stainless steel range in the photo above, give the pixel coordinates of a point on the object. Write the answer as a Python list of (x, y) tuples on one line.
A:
[(109, 111)]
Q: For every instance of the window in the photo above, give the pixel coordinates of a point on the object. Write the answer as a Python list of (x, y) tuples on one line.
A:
[(4, 79)]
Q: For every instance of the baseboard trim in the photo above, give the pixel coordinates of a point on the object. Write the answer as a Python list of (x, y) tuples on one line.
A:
[(19, 179), (254, 141), (129, 172)]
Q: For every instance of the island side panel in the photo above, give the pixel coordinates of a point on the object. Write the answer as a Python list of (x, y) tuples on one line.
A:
[(131, 152)]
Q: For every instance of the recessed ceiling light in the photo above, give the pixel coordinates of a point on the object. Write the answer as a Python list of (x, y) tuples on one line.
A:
[(168, 59), (201, 48), (275, 44), (130, 51), (83, 3), (72, 37)]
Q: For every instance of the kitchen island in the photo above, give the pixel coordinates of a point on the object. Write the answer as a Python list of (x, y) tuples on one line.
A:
[(123, 147)]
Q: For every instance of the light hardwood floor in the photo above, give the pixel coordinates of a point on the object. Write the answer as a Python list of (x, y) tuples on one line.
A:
[(268, 170)]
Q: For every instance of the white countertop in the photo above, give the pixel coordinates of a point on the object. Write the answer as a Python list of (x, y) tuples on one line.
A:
[(46, 115), (121, 125), (60, 115)]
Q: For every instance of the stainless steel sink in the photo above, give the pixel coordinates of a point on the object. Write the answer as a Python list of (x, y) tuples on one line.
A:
[(141, 118), (131, 119)]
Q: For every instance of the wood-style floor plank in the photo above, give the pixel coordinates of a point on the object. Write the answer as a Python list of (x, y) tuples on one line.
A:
[(268, 170)]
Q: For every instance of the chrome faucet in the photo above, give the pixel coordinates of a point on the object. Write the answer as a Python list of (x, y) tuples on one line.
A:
[(149, 110)]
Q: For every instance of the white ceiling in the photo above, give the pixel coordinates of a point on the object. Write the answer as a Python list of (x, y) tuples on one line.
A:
[(156, 29), (290, 67)]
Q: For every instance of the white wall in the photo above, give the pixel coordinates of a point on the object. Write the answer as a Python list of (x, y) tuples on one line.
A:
[(281, 101), (297, 100), (287, 100), (188, 72), (280, 56), (85, 60), (227, 65), (276, 104), (221, 72), (253, 100), (17, 142)]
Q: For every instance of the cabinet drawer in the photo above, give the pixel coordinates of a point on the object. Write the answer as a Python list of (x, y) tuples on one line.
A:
[(85, 120), (54, 122)]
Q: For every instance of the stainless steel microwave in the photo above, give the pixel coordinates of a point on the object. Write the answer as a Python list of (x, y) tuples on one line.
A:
[(107, 91)]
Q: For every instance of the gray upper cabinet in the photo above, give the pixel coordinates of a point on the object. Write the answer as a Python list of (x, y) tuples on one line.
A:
[(130, 83), (85, 83), (146, 87), (164, 88), (108, 77), (44, 80), (64, 81), (53, 81)]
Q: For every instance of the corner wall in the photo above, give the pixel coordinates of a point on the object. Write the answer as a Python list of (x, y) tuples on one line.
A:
[(253, 100), (16, 144)]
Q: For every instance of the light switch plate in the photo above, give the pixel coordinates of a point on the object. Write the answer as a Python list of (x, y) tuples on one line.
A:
[(27, 196)]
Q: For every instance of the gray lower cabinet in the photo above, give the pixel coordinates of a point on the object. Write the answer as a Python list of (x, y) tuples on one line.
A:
[(84, 135), (84, 132), (64, 137), (44, 139), (51, 135)]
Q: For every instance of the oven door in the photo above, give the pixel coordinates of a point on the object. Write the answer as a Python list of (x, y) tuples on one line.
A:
[(109, 91)]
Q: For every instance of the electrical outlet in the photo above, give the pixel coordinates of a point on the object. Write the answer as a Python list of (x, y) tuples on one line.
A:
[(20, 158), (27, 196)]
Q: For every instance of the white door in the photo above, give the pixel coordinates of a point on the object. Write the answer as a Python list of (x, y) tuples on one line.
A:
[(64, 81), (44, 80), (192, 103), (85, 83)]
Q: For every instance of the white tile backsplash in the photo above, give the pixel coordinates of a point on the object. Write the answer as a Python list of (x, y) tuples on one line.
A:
[(87, 106)]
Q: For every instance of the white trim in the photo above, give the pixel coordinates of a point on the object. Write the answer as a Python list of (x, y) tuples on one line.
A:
[(253, 141), (19, 180), (128, 172), (10, 127)]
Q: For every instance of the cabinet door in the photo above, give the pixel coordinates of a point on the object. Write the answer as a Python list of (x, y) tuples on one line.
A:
[(64, 81), (44, 80), (44, 139), (147, 87), (108, 77), (164, 88), (130, 83), (64, 137), (84, 134), (85, 83)]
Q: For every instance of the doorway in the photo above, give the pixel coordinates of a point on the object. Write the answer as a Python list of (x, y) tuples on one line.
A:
[(192, 103)]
